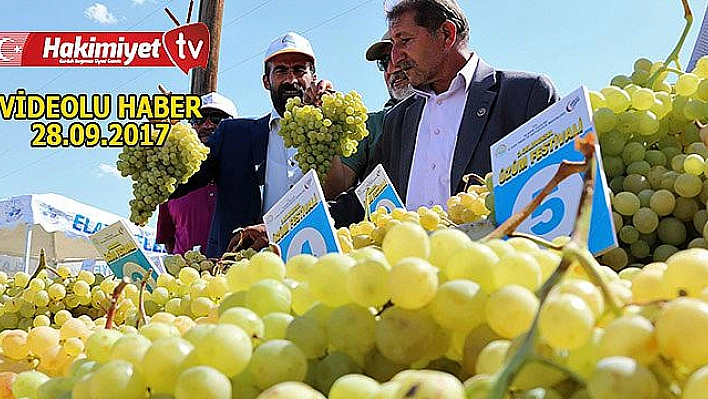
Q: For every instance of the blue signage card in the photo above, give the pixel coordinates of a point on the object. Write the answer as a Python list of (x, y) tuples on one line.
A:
[(524, 161), (300, 222), (376, 190)]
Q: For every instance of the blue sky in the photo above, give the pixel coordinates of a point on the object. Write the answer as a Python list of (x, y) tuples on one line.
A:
[(574, 42)]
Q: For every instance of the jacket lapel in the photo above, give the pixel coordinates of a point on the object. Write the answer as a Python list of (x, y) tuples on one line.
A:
[(411, 120), (474, 119), (259, 147)]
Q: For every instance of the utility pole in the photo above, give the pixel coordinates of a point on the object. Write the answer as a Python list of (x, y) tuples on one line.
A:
[(211, 13)]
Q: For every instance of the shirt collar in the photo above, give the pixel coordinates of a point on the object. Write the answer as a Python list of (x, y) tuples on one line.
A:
[(274, 118), (464, 77)]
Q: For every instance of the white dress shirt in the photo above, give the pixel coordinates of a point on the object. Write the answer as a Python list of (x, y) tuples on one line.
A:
[(282, 172), (429, 179)]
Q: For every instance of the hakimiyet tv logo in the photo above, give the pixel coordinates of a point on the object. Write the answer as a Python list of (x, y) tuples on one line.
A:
[(186, 47)]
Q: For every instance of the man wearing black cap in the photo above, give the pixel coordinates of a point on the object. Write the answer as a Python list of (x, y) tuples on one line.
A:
[(345, 172)]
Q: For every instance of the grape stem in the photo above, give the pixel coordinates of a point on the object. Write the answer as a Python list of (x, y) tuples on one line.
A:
[(538, 240), (688, 16), (110, 313), (141, 303), (42, 264), (548, 362)]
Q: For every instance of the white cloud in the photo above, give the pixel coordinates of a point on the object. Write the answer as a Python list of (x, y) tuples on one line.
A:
[(139, 2), (99, 13), (105, 169)]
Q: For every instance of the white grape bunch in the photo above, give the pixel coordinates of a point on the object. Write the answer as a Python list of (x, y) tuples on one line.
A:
[(156, 171), (320, 133)]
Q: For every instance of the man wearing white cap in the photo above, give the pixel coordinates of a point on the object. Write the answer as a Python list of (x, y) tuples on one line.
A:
[(248, 159), (183, 223)]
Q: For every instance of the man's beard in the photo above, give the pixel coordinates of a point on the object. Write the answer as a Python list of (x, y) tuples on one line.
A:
[(398, 91), (286, 91)]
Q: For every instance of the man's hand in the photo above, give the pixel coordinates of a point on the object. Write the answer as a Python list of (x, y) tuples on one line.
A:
[(249, 237), (314, 92)]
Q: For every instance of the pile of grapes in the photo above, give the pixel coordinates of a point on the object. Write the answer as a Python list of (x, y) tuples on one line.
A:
[(320, 133), (194, 259), (430, 314), (156, 171), (655, 160)]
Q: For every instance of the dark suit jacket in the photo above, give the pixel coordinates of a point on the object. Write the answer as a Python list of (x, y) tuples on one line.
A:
[(497, 103), (236, 163)]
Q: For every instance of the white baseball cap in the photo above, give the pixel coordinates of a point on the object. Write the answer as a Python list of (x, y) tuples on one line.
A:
[(216, 101), (290, 42)]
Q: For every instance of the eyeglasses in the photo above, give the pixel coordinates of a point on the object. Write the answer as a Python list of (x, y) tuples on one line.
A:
[(215, 119), (383, 63)]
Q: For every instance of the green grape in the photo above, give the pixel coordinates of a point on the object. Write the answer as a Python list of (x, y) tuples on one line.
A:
[(268, 296), (613, 166), (686, 272), (597, 101), (635, 184), (459, 305), (510, 310), (626, 203), (354, 386), (619, 81), (616, 258), (328, 279), (647, 123), (612, 142), (662, 202), (686, 84), (275, 325), (245, 319), (27, 383), (121, 378), (226, 348), (645, 220), (639, 168), (688, 185), (640, 249), (351, 329), (309, 335), (632, 152), (418, 328), (413, 282), (628, 234), (619, 377), (617, 184), (680, 326), (160, 362), (697, 384), (566, 322), (663, 252), (627, 122), (685, 209), (604, 119), (642, 99), (202, 382)]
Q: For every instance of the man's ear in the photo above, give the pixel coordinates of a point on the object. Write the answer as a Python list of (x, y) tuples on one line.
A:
[(266, 82), (449, 31)]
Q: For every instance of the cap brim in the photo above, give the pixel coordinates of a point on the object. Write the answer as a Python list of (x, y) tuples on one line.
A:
[(218, 108), (377, 50), (288, 50)]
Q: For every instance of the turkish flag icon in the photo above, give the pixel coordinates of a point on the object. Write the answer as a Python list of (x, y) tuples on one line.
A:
[(188, 46)]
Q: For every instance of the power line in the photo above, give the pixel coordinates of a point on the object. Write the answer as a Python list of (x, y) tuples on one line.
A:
[(335, 17), (20, 169), (244, 15)]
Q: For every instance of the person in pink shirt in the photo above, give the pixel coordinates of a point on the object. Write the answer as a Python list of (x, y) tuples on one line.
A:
[(184, 222)]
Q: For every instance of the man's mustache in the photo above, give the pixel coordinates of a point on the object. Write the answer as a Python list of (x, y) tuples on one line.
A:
[(290, 87), (398, 75)]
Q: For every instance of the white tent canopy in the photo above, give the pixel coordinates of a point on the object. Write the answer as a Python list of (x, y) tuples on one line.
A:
[(60, 226)]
